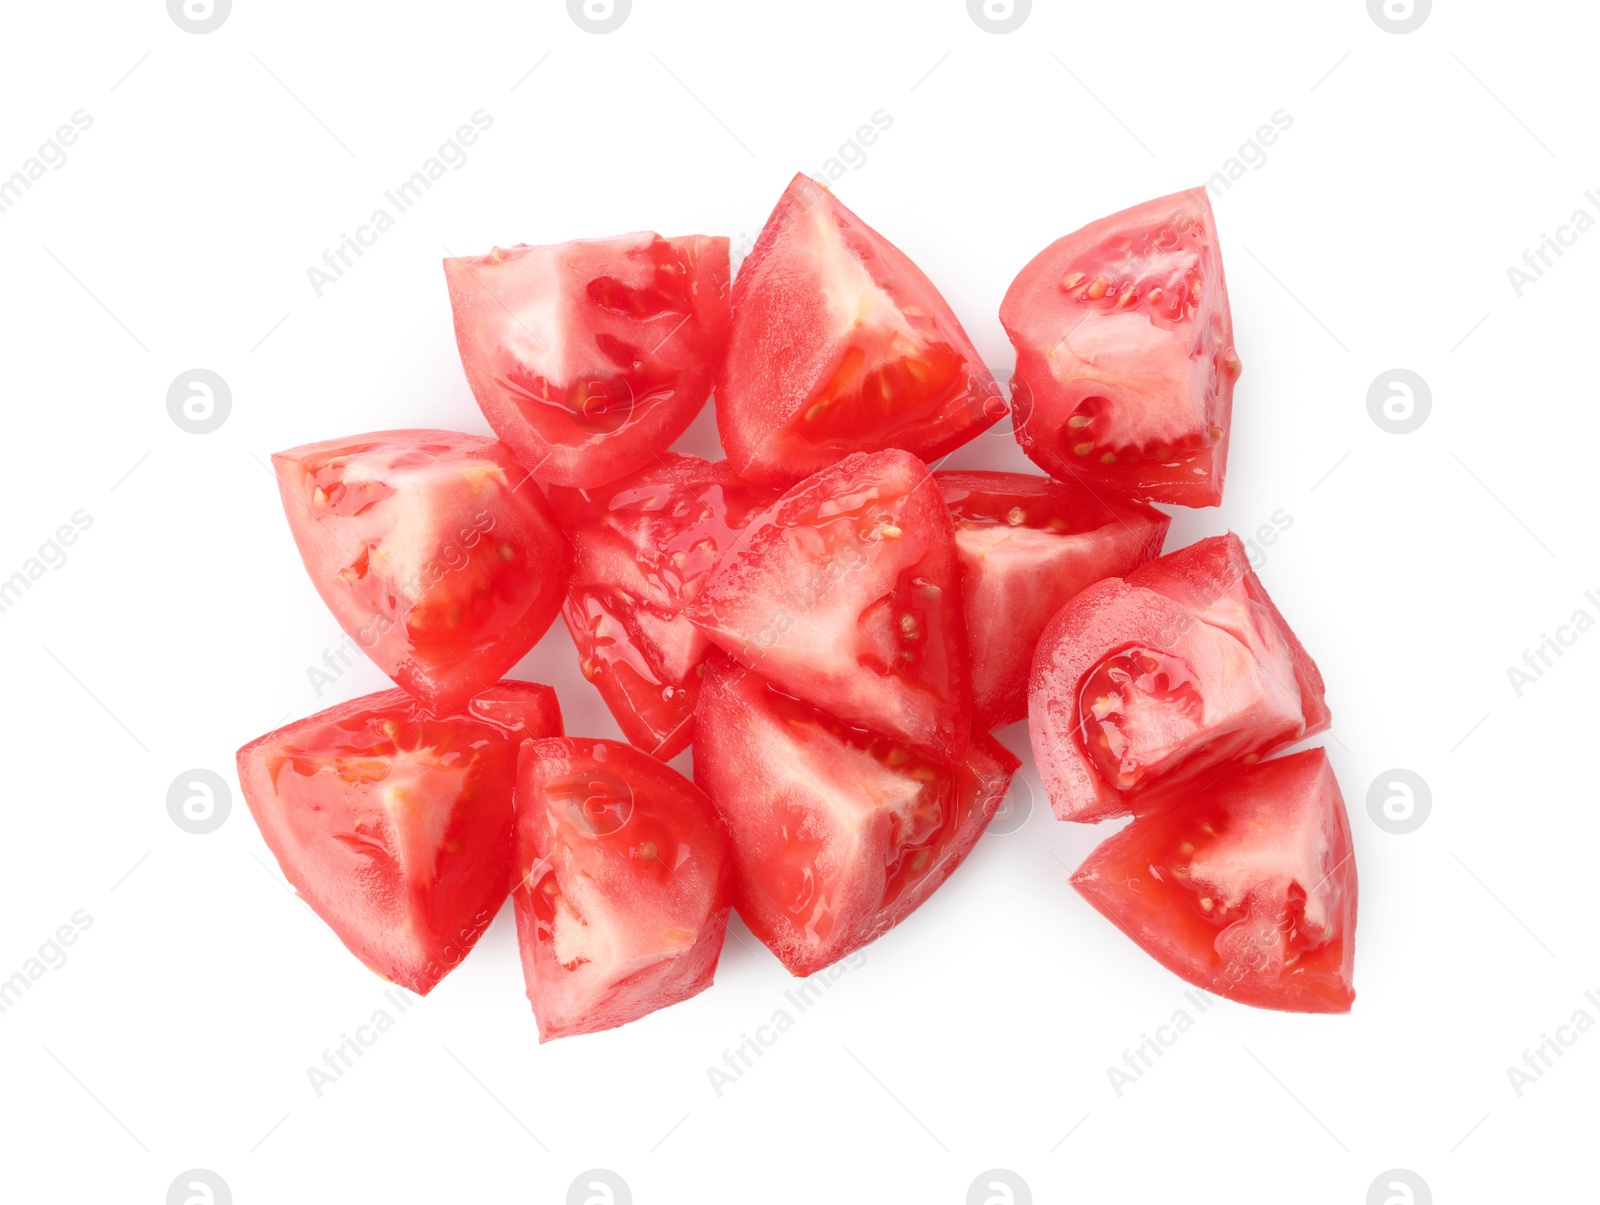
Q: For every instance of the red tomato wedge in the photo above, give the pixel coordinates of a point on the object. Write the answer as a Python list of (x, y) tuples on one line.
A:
[(846, 592), (1028, 544), (645, 545), (622, 884), (431, 551), (839, 833), (395, 826), (840, 344), (1245, 887), (590, 357), (1125, 359), (1140, 684)]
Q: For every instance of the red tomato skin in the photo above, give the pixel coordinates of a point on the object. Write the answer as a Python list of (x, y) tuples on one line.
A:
[(1027, 544), (814, 807), (315, 788), (480, 594), (1161, 373), (610, 930), (840, 583), (904, 375), (1142, 882), (644, 546), (1188, 604), (581, 389)]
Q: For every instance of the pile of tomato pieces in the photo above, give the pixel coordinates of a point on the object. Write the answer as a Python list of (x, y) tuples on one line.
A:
[(832, 626)]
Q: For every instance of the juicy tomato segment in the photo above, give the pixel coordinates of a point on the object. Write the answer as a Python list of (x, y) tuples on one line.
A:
[(845, 592), (429, 552), (645, 545), (1027, 545), (394, 826), (589, 357), (1141, 684), (840, 344), (1125, 357), (1246, 886), (839, 832), (622, 884)]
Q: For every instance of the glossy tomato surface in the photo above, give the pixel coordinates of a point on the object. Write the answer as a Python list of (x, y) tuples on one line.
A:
[(432, 550), (590, 357), (622, 884), (1027, 544), (395, 826), (1246, 886), (846, 592), (840, 344), (1140, 684), (645, 544), (839, 833), (1125, 357)]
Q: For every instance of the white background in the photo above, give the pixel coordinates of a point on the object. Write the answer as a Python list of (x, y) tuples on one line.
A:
[(1418, 567)]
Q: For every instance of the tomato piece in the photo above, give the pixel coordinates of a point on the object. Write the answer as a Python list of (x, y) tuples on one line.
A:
[(1140, 684), (430, 553), (590, 357), (645, 545), (839, 833), (840, 344), (1028, 544), (395, 826), (845, 592), (623, 884), (1213, 578), (1125, 358), (1245, 887)]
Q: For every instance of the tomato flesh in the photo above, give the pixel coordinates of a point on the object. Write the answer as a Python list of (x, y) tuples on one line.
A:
[(1028, 544), (840, 344), (845, 591), (839, 832), (1125, 357), (430, 553), (394, 826), (622, 884), (645, 545), (589, 357), (1141, 684), (1246, 886)]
